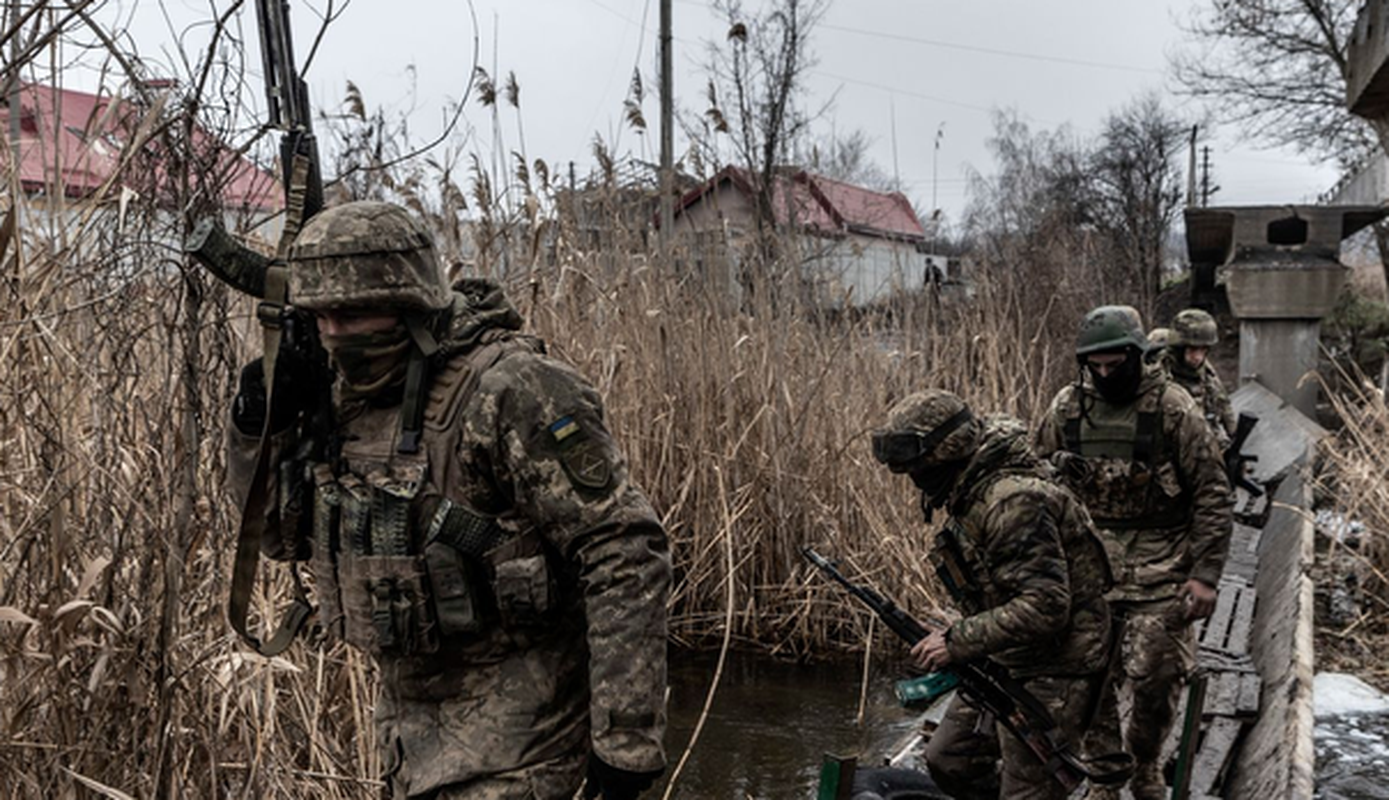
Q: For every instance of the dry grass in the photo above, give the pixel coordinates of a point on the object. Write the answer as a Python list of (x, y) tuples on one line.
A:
[(1356, 484)]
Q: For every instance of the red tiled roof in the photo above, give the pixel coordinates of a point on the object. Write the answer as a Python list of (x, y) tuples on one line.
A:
[(823, 205), (84, 148)]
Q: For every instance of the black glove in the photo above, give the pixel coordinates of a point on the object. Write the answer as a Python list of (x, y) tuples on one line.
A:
[(248, 408), (611, 783)]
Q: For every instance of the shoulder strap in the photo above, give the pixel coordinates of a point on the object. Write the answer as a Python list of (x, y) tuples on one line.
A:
[(255, 512)]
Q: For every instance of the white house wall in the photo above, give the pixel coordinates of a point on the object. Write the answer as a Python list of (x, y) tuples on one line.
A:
[(864, 269)]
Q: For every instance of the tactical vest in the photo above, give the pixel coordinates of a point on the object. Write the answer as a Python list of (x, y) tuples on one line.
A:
[(399, 566), (1130, 479)]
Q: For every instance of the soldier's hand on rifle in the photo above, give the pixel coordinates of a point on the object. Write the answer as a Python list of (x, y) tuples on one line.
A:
[(1199, 599), (248, 409), (932, 653)]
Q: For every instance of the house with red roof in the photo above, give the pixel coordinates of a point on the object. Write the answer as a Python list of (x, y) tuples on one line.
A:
[(861, 244), (97, 148)]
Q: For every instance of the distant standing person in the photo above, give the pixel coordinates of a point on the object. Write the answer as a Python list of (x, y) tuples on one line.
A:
[(1137, 451), (475, 529), (1024, 565), (1187, 360)]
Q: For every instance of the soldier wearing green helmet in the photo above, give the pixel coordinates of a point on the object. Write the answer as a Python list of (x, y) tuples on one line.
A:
[(1135, 448), (1024, 565), (475, 531), (1187, 360)]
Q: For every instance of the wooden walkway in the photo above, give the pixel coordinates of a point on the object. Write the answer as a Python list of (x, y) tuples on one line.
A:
[(1233, 685)]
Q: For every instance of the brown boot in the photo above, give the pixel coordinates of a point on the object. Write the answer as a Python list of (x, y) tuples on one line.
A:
[(1094, 792), (1147, 783)]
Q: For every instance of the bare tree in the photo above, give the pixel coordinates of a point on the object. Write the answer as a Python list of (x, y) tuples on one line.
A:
[(845, 158), (1135, 178), (756, 80), (1278, 68)]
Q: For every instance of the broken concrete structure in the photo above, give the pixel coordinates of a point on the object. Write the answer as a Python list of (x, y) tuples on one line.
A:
[(1282, 276)]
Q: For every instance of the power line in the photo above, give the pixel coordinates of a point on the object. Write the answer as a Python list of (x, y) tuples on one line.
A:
[(992, 51), (903, 92)]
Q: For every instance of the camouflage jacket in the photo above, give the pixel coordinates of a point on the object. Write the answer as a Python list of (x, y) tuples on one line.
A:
[(542, 633), (1205, 387), (1024, 563), (1160, 497)]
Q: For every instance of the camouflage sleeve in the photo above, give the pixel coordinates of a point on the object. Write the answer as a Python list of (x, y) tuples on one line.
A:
[(1027, 565), (1049, 438), (555, 457), (1221, 404), (1203, 471)]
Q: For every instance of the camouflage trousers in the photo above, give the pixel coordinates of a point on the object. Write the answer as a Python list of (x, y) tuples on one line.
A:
[(1158, 653), (963, 757), (558, 779)]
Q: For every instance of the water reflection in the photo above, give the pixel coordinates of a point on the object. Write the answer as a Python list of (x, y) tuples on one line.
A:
[(772, 721)]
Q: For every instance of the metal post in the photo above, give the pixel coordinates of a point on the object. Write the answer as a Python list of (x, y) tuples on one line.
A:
[(667, 134)]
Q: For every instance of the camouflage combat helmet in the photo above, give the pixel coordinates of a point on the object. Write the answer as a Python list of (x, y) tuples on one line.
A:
[(1194, 328), (1110, 328), (1159, 338), (924, 429), (365, 254)]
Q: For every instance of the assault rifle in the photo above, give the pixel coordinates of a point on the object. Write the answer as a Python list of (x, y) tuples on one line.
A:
[(987, 685), (293, 355), (1235, 460)]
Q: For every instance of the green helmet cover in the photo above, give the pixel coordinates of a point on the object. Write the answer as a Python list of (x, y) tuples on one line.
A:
[(1194, 328), (1110, 328)]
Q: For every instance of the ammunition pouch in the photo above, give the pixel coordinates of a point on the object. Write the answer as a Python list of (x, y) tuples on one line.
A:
[(383, 593), (524, 585)]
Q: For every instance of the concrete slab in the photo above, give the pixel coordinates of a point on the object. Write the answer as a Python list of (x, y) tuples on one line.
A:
[(1284, 437)]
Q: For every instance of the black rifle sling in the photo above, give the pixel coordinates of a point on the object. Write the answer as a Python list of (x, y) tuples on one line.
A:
[(255, 512)]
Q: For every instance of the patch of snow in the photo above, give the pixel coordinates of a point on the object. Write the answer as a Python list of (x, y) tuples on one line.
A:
[(1335, 694)]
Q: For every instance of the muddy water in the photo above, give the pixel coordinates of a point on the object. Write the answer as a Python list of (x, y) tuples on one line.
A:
[(772, 721)]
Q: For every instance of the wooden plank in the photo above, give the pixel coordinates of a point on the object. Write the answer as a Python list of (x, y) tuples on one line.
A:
[(1219, 623), (1242, 621), (1222, 695), (1247, 704), (1221, 661), (1214, 756)]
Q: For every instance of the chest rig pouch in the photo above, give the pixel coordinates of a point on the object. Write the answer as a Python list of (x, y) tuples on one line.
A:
[(959, 566), (374, 582), (1130, 480)]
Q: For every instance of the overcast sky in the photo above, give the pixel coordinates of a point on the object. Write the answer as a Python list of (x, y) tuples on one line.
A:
[(926, 63)]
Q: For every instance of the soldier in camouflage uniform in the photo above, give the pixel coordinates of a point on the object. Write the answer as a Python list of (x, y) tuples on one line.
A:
[(1194, 333), (1157, 344), (1137, 451), (476, 532), (1023, 563)]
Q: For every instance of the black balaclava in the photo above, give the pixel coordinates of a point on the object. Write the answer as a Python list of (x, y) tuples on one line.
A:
[(935, 482), (1121, 385)]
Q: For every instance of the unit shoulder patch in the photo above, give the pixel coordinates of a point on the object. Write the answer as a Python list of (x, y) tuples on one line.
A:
[(584, 458)]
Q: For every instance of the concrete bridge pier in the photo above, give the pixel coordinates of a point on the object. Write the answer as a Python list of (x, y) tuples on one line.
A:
[(1282, 273)]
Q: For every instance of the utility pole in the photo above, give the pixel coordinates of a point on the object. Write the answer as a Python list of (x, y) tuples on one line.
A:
[(1191, 170), (1206, 188), (667, 135)]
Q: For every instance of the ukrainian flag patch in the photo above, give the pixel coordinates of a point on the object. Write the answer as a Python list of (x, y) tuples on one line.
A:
[(563, 428)]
